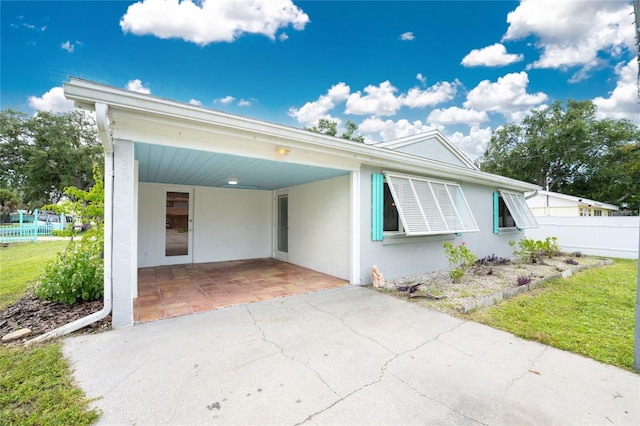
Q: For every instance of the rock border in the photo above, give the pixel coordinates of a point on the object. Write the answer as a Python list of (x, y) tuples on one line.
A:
[(492, 299)]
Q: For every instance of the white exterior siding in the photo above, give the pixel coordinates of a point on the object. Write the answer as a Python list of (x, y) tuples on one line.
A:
[(319, 226), (432, 149), (229, 224)]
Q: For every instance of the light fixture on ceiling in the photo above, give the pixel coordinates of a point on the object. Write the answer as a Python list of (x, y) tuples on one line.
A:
[(232, 182), (282, 150)]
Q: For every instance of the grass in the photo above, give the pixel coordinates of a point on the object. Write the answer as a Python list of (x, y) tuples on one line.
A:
[(21, 264), (36, 386), (591, 313)]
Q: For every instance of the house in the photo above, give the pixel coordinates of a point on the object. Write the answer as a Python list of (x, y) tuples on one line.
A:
[(547, 203), (184, 184)]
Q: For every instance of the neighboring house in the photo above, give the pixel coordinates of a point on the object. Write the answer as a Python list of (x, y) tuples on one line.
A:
[(547, 203), (184, 184)]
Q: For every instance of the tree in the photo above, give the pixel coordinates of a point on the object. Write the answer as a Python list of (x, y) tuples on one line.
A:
[(567, 149), (330, 128), (43, 154)]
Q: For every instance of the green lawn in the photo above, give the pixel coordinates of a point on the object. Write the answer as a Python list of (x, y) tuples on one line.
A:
[(36, 386), (591, 313), (21, 264)]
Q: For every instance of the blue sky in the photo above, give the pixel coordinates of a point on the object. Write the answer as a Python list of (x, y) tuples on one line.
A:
[(394, 68)]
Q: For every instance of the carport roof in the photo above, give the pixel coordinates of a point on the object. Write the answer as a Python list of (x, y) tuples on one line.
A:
[(161, 127)]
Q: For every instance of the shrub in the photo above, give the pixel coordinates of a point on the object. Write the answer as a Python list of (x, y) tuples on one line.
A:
[(460, 259), (76, 274), (533, 251)]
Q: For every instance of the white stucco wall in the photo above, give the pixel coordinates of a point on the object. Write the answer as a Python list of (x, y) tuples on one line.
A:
[(406, 256), (231, 224), (228, 224), (319, 226)]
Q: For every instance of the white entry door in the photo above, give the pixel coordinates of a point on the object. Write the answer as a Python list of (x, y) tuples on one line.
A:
[(178, 241), (282, 226)]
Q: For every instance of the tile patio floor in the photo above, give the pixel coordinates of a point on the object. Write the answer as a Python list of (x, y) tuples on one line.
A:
[(169, 291)]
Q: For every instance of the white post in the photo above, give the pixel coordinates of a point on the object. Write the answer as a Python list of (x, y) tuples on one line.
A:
[(124, 232), (355, 228)]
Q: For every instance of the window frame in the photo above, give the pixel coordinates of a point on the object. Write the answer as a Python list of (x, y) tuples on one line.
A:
[(428, 206)]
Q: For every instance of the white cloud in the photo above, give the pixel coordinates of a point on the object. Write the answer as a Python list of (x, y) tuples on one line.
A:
[(491, 56), (195, 102), (53, 101), (422, 79), (455, 115), (68, 46), (474, 144), (137, 86), (408, 36), (379, 100), (623, 100), (310, 112), (572, 33), (389, 129), (507, 96), (283, 37), (209, 21), (225, 101), (244, 103), (434, 95)]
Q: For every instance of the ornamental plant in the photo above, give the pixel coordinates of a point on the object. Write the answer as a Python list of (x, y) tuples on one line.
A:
[(533, 251), (77, 273), (460, 259)]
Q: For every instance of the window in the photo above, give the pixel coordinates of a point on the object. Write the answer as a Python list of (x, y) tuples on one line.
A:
[(391, 218), (511, 211), (597, 212), (425, 207)]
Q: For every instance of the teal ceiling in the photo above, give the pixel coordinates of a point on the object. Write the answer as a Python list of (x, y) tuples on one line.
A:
[(164, 164)]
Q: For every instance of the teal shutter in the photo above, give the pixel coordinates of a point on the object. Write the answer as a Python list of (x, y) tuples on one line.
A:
[(377, 206), (496, 212)]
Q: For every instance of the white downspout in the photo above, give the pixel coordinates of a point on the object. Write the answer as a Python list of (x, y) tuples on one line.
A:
[(107, 143)]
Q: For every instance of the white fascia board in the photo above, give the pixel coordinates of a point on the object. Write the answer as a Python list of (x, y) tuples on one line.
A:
[(176, 115)]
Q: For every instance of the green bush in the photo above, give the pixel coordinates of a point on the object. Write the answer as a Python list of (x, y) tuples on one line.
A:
[(460, 259), (76, 274), (533, 251)]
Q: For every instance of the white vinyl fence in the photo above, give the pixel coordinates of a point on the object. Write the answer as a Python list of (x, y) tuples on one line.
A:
[(613, 236)]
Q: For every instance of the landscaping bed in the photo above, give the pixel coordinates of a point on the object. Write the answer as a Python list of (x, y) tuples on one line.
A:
[(488, 281)]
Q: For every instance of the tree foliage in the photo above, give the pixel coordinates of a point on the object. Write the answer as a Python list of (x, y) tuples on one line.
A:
[(330, 128), (43, 154), (568, 149), (9, 201)]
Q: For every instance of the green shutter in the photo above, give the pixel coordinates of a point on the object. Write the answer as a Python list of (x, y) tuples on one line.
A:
[(377, 206), (496, 212)]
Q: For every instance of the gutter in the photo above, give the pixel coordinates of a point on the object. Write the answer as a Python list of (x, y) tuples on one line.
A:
[(107, 143)]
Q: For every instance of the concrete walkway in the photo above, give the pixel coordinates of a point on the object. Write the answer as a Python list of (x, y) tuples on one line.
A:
[(347, 355)]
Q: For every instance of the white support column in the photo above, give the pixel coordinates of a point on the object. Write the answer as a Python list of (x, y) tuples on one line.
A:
[(134, 239), (354, 270), (124, 234)]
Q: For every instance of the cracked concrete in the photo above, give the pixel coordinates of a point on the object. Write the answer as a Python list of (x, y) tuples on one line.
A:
[(347, 355)]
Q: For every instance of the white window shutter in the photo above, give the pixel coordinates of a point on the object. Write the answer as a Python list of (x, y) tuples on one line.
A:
[(429, 207)]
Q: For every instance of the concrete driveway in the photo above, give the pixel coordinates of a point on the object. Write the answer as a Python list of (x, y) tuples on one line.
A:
[(348, 355)]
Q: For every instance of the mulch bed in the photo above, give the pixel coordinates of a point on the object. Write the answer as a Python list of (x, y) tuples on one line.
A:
[(41, 316)]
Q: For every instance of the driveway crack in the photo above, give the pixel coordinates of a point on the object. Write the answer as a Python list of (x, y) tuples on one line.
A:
[(282, 351), (383, 367)]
